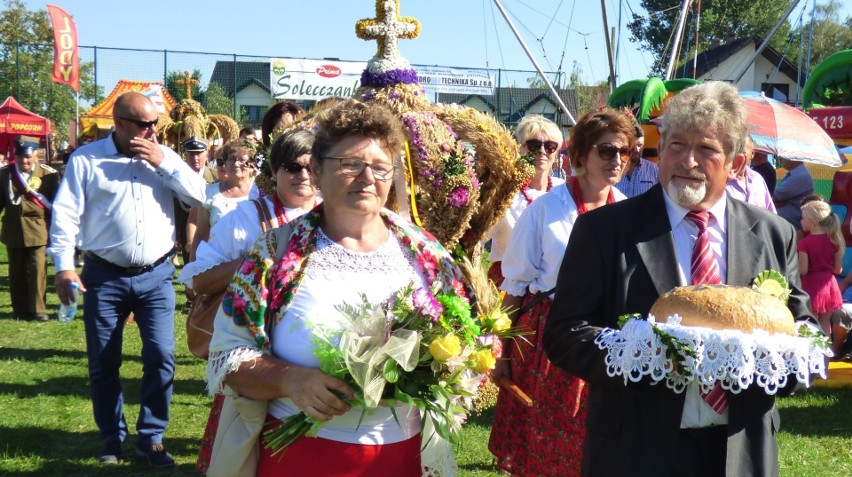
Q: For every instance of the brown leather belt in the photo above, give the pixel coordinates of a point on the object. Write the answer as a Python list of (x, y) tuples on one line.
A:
[(127, 270)]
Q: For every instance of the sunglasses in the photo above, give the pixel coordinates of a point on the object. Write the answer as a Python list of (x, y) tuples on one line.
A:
[(607, 151), (535, 145), (295, 167), (141, 124)]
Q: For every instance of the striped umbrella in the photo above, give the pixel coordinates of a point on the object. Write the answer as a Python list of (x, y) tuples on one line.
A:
[(780, 129)]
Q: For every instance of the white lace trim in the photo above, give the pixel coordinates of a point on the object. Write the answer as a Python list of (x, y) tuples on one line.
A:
[(735, 359), (333, 260), (220, 363)]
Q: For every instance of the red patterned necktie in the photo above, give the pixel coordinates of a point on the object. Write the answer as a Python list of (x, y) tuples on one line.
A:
[(705, 270)]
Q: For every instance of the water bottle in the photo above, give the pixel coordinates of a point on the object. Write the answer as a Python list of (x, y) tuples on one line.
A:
[(68, 312)]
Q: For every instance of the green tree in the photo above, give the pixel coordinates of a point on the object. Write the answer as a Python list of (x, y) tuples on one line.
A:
[(589, 96), (830, 34), (175, 84), (720, 19), (216, 101), (26, 67)]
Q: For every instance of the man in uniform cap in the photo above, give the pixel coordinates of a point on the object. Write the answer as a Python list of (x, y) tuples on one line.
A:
[(27, 189), (196, 159)]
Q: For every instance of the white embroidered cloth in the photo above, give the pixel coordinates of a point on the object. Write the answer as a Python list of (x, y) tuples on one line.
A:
[(735, 359)]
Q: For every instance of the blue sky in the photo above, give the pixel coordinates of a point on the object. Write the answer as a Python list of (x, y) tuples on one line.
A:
[(463, 33)]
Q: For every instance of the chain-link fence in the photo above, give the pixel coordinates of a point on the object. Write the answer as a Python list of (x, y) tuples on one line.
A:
[(236, 85)]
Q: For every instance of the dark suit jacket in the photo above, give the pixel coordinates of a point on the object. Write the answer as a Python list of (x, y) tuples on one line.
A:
[(26, 224), (619, 259)]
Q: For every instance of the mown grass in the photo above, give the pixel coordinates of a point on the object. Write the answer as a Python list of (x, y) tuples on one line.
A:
[(46, 425)]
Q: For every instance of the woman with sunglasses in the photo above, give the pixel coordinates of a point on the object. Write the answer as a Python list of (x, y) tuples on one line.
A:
[(539, 139), (547, 438), (218, 258), (290, 286)]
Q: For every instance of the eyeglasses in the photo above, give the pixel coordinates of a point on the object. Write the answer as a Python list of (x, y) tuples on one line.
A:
[(141, 124), (295, 167), (607, 151), (549, 146), (353, 167)]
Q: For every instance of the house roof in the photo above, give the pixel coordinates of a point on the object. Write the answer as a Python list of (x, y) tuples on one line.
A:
[(712, 58), (515, 102), (248, 72)]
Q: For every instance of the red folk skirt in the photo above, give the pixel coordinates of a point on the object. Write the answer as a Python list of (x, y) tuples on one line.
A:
[(547, 438), (206, 450), (317, 457)]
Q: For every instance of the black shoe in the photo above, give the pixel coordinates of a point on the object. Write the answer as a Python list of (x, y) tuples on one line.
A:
[(41, 317), (111, 453), (156, 455)]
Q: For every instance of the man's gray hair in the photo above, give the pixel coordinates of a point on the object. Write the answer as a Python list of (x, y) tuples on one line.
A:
[(715, 106)]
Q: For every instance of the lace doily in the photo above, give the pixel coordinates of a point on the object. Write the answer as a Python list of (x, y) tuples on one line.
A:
[(735, 359)]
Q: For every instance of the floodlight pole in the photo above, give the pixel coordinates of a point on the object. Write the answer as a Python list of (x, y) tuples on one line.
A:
[(535, 63)]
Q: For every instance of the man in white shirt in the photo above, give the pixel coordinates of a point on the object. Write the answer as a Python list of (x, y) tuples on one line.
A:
[(622, 257), (117, 200)]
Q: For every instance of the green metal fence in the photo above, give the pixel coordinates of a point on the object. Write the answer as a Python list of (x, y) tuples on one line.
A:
[(26, 68)]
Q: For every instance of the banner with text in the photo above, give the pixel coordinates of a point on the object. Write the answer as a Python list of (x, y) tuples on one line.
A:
[(314, 79), (438, 79), (66, 59)]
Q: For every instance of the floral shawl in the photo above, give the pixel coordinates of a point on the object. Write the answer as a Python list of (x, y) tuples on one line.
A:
[(263, 288)]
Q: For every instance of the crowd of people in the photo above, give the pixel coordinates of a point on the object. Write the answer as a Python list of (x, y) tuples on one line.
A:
[(572, 255)]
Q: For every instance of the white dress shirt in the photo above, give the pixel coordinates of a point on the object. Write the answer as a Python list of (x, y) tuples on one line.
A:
[(119, 208), (534, 254), (696, 412)]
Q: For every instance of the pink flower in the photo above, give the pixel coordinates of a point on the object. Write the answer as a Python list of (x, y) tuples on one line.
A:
[(429, 263), (427, 304), (446, 147), (238, 305), (458, 197), (247, 267)]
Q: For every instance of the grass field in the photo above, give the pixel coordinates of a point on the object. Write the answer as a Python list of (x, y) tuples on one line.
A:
[(47, 429)]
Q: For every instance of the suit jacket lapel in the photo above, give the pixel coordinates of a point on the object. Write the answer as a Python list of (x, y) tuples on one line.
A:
[(654, 240), (745, 248)]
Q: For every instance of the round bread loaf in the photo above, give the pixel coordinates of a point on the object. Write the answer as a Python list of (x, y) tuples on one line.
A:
[(723, 307)]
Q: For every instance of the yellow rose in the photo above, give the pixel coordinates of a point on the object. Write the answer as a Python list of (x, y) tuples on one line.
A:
[(446, 348), (501, 322), (482, 361)]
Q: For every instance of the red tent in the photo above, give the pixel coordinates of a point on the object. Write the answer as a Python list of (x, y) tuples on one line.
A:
[(16, 120)]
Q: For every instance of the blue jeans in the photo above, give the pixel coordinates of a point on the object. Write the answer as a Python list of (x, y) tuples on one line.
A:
[(110, 296)]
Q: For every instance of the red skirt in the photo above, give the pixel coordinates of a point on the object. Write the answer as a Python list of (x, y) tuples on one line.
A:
[(206, 450), (317, 457), (547, 438), (495, 273)]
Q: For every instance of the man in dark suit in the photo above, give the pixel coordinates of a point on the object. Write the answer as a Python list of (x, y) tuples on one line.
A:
[(27, 189), (621, 258)]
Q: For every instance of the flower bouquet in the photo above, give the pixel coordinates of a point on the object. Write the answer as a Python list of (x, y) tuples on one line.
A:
[(420, 348)]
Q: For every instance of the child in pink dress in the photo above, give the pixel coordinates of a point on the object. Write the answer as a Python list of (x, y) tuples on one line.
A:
[(820, 258)]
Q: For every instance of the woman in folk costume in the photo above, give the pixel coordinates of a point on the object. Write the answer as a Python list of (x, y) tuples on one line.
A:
[(547, 438), (347, 247), (217, 259), (539, 139)]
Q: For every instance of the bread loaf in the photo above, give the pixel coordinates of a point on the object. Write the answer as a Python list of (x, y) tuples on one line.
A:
[(723, 307)]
